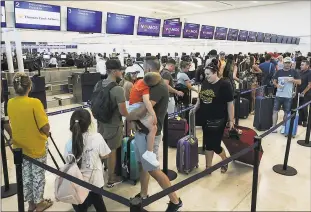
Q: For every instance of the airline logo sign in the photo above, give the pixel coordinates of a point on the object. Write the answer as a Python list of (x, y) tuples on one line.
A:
[(148, 26), (191, 30), (36, 16), (3, 19), (171, 29)]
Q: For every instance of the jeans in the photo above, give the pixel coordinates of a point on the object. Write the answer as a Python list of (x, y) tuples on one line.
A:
[(285, 102)]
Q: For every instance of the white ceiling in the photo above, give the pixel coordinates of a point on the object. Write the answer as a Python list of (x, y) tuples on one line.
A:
[(161, 9)]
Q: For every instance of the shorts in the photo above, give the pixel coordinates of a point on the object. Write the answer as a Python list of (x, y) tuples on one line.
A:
[(113, 135), (147, 119), (141, 148), (171, 105), (286, 103)]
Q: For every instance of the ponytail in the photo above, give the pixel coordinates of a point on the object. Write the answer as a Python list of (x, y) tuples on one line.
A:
[(77, 140)]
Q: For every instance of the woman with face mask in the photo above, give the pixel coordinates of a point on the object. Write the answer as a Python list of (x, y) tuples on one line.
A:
[(215, 108)]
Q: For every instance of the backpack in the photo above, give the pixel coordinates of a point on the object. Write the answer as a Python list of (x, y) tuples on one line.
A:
[(101, 106), (67, 191)]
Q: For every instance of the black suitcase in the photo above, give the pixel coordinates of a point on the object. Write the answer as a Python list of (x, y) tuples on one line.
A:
[(263, 113), (248, 96), (38, 89), (244, 108)]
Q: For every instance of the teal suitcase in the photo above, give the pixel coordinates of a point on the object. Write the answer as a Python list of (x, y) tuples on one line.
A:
[(130, 169)]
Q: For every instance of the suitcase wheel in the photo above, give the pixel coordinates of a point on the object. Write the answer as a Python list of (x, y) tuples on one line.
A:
[(187, 172)]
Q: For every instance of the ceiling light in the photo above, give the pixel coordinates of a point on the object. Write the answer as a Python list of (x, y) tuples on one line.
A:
[(139, 8), (255, 2), (191, 4)]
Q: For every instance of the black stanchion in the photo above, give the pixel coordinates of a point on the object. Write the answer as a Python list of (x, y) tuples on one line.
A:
[(18, 160), (135, 205), (306, 142), (60, 154), (169, 173), (237, 107), (8, 189), (284, 169), (257, 139)]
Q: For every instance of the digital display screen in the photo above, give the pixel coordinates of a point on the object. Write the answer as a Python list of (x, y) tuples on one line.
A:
[(221, 33), (284, 40), (80, 20), (279, 39), (289, 40), (120, 24), (260, 37), (267, 38), (3, 17), (294, 40), (243, 35), (29, 15), (191, 30), (297, 41), (171, 29), (148, 26), (233, 34), (274, 38), (252, 36), (207, 32)]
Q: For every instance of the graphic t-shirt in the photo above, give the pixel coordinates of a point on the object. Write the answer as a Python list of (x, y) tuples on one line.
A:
[(282, 78), (214, 99), (91, 166)]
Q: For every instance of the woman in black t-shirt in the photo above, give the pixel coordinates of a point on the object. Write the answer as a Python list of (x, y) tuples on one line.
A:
[(214, 110)]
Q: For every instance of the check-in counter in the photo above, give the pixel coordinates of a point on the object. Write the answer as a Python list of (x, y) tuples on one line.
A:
[(56, 79)]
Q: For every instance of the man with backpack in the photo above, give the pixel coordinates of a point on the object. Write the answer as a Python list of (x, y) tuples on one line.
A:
[(108, 106), (268, 70)]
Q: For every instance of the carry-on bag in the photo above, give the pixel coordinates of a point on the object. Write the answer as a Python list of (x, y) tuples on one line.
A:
[(177, 129), (263, 113), (130, 169), (244, 108), (295, 126), (235, 143), (187, 157)]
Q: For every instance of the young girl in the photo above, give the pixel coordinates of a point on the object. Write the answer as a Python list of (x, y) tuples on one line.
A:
[(89, 149), (140, 95)]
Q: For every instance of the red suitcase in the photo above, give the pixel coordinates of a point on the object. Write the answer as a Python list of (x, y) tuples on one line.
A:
[(235, 144)]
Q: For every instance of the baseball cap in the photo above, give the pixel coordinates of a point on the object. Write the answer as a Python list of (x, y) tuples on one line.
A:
[(222, 53), (287, 60)]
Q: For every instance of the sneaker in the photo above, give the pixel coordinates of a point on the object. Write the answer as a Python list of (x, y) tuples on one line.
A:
[(139, 196), (117, 180), (282, 130), (174, 207), (151, 158)]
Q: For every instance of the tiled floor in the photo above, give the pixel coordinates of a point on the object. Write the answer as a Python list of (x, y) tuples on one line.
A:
[(218, 192)]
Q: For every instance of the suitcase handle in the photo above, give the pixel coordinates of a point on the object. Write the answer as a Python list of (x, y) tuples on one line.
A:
[(192, 131)]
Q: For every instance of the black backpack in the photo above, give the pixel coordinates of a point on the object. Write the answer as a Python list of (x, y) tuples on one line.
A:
[(101, 106)]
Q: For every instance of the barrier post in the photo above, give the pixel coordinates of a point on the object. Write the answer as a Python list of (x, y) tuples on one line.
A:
[(18, 160), (8, 189), (306, 142), (169, 173), (237, 107), (257, 139), (135, 204), (60, 154), (284, 169)]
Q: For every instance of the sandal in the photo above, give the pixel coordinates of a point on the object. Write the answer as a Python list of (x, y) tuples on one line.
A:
[(45, 204), (224, 169), (207, 167), (32, 210)]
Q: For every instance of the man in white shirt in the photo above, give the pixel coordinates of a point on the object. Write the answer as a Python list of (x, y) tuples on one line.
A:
[(53, 62)]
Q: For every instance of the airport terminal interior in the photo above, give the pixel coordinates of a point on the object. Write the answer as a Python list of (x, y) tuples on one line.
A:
[(66, 48)]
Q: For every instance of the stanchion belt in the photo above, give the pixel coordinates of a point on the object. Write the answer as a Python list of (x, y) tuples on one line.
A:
[(66, 110), (82, 183), (176, 113), (304, 105), (248, 91), (196, 177)]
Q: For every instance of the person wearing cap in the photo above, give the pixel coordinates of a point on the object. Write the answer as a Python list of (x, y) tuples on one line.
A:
[(284, 80), (112, 131)]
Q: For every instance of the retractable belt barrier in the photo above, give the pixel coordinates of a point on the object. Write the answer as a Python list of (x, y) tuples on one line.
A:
[(254, 89), (161, 194)]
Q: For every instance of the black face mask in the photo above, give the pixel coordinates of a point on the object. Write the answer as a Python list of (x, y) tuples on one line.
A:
[(118, 79)]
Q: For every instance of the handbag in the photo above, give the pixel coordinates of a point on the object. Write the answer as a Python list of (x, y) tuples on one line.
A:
[(214, 125)]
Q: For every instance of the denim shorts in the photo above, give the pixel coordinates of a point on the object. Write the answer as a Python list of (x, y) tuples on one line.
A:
[(286, 103)]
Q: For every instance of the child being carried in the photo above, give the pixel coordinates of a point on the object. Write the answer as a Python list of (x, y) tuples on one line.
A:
[(140, 96)]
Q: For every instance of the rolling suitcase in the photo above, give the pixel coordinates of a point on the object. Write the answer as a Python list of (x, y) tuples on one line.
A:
[(130, 169), (187, 157), (235, 143), (177, 128), (295, 127), (244, 108), (263, 113)]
